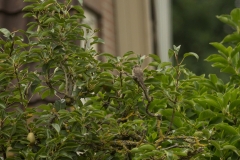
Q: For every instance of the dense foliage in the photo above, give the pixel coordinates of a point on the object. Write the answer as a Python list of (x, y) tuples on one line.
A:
[(98, 109)]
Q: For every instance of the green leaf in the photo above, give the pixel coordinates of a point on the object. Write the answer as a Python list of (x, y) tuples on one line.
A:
[(154, 135), (217, 58), (227, 19), (106, 66), (228, 69), (128, 53), (46, 94), (135, 150), (170, 53), (49, 20), (234, 106), (28, 15), (28, 7), (176, 48), (107, 55), (235, 38), (208, 101), (221, 48), (79, 9), (169, 112), (155, 57), (89, 102), (45, 107), (227, 128), (39, 89), (206, 114), (5, 32), (235, 50), (146, 147), (56, 127), (80, 2), (164, 64), (2, 105), (213, 78), (233, 148), (68, 147), (235, 15), (215, 144), (97, 40), (191, 54)]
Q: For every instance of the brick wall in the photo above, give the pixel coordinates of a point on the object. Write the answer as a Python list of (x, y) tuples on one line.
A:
[(105, 12)]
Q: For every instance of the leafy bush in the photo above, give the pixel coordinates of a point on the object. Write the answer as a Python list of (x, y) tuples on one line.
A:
[(98, 109)]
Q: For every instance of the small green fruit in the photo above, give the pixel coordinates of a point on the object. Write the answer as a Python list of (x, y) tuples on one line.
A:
[(9, 153), (31, 137)]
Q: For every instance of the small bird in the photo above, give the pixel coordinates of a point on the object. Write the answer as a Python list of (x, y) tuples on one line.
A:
[(138, 75)]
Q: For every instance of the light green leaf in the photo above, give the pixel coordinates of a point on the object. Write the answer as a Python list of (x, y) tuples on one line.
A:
[(191, 54), (227, 19), (235, 15), (176, 48), (228, 69), (155, 57), (213, 78), (154, 135), (5, 32), (235, 37), (170, 53), (80, 2), (221, 48)]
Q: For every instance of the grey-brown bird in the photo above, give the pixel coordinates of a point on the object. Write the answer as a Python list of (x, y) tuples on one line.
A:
[(138, 75)]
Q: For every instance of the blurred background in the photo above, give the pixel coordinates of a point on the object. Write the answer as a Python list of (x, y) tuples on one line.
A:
[(147, 26)]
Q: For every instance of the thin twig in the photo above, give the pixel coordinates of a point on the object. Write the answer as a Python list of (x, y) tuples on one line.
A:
[(18, 83)]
